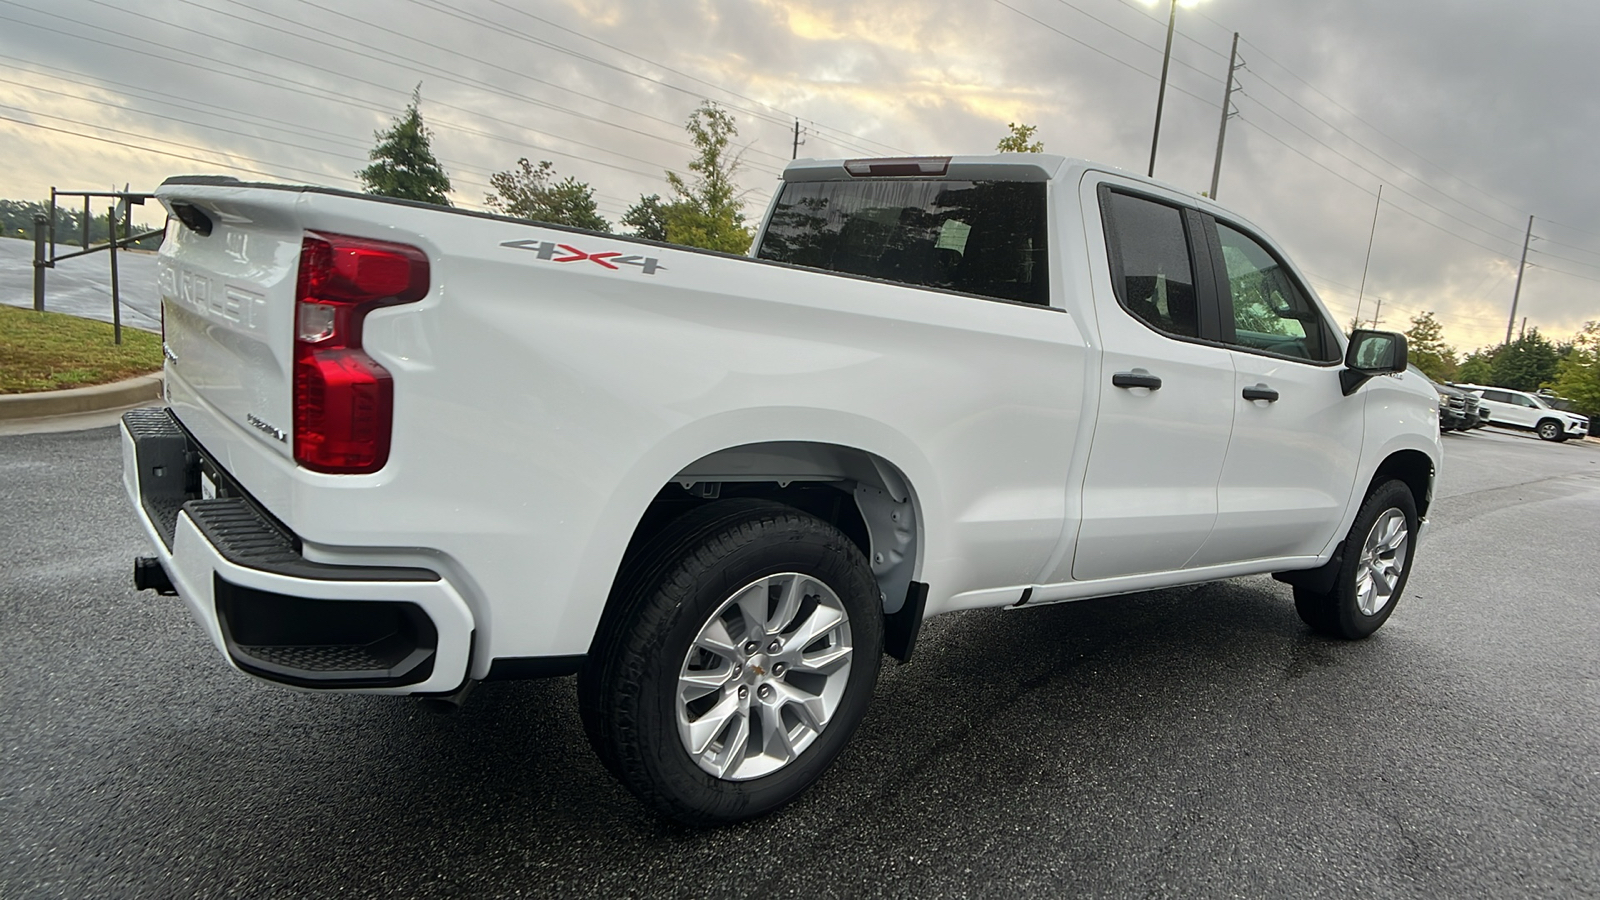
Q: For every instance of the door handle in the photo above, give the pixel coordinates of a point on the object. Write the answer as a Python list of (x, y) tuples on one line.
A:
[(1136, 379), (1260, 392)]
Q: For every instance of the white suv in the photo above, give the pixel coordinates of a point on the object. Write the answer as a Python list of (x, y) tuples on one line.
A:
[(1519, 409)]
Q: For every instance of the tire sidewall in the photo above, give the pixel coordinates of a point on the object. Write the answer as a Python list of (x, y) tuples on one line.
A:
[(1348, 620), (814, 549)]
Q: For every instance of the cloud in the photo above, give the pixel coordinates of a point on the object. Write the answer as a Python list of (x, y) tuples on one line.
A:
[(1472, 114)]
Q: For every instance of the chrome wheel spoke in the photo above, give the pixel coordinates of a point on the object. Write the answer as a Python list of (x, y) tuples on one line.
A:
[(735, 750), (704, 730), (775, 739), (811, 709), (824, 661), (752, 603), (715, 638), (699, 683), (789, 600), (822, 620)]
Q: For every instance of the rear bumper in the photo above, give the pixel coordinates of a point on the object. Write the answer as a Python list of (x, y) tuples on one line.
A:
[(271, 612)]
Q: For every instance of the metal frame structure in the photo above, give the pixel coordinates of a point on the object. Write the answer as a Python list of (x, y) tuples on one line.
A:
[(44, 238)]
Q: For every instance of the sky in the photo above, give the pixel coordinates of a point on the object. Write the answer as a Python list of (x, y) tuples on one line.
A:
[(1470, 115)]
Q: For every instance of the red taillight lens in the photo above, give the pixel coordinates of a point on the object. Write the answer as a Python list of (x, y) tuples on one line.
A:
[(344, 400)]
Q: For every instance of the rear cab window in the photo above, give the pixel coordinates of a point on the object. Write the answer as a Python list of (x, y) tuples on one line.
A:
[(975, 237)]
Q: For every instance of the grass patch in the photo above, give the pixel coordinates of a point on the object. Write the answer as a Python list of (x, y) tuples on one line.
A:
[(49, 351)]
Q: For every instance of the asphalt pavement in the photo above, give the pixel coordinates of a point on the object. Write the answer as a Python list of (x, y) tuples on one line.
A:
[(82, 286), (1189, 743)]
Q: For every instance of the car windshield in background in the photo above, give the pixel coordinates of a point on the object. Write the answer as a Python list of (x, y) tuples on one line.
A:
[(977, 237)]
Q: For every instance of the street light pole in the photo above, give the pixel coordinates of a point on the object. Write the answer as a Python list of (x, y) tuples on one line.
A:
[(1161, 96)]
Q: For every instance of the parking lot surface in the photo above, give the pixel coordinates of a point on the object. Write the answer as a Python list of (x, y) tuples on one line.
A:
[(1188, 743)]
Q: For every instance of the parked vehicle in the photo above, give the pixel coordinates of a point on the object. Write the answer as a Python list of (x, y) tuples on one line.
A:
[(408, 448), (1454, 414), (1529, 412)]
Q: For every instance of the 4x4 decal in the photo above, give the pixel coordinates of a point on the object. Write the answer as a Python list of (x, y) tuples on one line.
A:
[(611, 259)]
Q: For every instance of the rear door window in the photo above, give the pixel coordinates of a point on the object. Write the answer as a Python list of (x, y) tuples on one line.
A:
[(977, 237), (1151, 266)]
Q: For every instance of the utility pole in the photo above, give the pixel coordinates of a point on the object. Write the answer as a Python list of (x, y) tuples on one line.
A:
[(1161, 96), (1517, 292), (1363, 289), (797, 142), (1222, 129)]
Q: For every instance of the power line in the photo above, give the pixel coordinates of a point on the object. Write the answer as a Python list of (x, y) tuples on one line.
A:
[(1137, 40), (1152, 16), (1396, 141), (1363, 190), (1121, 62), (234, 70), (1363, 168), (147, 149), (787, 116), (382, 87), (1418, 178)]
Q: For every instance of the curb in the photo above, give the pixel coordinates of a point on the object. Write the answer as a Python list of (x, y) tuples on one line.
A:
[(70, 401)]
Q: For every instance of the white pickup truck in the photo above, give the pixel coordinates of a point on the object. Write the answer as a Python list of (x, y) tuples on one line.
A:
[(406, 449)]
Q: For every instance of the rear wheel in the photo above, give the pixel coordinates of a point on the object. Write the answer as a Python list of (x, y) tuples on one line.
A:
[(1551, 430), (1377, 562), (739, 664)]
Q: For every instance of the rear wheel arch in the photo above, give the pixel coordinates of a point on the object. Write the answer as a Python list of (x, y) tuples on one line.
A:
[(864, 495)]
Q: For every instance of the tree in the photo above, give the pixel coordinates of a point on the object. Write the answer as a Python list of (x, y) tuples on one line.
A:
[(403, 164), (1578, 374), (1020, 140), (647, 218), (1525, 363), (531, 192), (706, 210), (1477, 367), (1426, 348)]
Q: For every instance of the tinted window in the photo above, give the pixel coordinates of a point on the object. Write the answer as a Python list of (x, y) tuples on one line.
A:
[(1150, 262), (1270, 311), (984, 237)]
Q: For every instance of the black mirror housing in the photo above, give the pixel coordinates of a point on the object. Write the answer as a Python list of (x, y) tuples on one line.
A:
[(1371, 353)]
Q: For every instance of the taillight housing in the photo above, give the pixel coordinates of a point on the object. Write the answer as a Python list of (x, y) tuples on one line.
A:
[(344, 400)]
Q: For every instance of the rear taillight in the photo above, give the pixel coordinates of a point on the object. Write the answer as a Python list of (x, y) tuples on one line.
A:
[(344, 400)]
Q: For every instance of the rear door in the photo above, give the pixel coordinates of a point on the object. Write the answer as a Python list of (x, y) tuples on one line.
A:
[(1165, 385)]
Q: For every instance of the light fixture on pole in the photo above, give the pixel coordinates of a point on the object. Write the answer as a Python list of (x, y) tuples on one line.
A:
[(1161, 95)]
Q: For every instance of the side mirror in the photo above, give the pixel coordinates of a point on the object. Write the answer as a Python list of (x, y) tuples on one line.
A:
[(1371, 353)]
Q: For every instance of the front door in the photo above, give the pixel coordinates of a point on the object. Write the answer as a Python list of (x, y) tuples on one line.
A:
[(1296, 437)]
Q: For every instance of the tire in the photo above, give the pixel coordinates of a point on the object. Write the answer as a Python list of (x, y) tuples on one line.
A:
[(691, 719), (1377, 553), (1551, 430)]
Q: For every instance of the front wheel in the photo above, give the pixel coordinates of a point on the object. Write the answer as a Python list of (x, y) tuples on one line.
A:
[(1377, 562), (1551, 430), (741, 659)]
